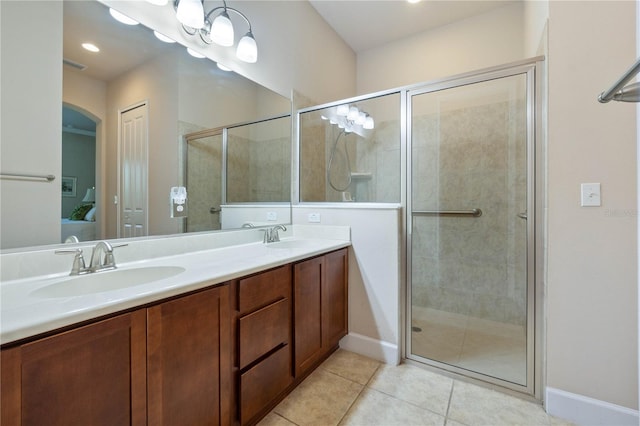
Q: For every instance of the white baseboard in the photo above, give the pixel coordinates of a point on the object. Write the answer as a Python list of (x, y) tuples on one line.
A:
[(585, 411), (382, 351)]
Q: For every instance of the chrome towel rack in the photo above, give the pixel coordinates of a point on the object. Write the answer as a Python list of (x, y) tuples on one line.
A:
[(21, 176), (455, 213)]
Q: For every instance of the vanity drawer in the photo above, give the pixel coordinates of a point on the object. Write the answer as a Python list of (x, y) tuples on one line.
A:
[(265, 288), (263, 330), (265, 381)]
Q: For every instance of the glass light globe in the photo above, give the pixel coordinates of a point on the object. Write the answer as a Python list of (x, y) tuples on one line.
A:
[(247, 50), (343, 110), (222, 30), (362, 117), (191, 13), (353, 113), (368, 123)]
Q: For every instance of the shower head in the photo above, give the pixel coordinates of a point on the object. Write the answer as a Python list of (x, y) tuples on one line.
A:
[(629, 93)]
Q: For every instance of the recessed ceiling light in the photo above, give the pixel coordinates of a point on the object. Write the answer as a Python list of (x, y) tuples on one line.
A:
[(90, 47), (121, 17), (163, 37), (223, 67), (413, 1), (194, 53)]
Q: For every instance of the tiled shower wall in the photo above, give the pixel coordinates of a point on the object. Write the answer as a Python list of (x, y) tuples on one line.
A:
[(473, 157), (374, 161)]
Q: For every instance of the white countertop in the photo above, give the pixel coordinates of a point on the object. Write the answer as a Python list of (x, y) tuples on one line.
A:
[(24, 313)]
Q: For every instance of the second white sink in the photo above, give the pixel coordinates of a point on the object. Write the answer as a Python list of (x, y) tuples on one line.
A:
[(100, 282)]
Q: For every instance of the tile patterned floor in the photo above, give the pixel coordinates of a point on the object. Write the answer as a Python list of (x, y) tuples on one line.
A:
[(349, 389), (487, 347)]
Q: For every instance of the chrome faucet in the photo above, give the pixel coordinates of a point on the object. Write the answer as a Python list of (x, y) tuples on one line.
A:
[(79, 267), (101, 258), (271, 234)]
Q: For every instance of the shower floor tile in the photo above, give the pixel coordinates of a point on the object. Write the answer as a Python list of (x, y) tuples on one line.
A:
[(487, 347), (398, 395)]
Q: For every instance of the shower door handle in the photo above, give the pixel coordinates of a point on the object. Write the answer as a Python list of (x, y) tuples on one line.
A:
[(523, 215)]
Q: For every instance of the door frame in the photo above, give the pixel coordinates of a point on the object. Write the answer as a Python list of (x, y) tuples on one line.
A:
[(145, 104), (533, 70)]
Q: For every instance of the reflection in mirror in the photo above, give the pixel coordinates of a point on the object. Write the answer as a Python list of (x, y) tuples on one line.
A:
[(183, 95), (239, 175), (259, 157), (350, 152)]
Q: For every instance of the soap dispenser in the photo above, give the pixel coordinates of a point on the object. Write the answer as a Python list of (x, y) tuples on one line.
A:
[(178, 201)]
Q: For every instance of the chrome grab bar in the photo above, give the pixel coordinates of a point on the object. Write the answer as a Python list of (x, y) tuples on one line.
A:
[(20, 176), (472, 213), (619, 85)]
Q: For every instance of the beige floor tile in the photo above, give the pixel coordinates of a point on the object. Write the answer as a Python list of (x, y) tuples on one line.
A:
[(453, 423), (473, 405), (374, 408), (321, 399), (414, 385), (273, 419), (351, 366), (556, 421)]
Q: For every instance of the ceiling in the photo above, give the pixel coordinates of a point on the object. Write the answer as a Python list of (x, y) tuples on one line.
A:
[(365, 24)]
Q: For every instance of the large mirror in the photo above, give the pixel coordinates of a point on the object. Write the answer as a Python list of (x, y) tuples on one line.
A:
[(142, 116)]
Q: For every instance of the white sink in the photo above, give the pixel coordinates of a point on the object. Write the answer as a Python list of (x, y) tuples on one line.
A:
[(290, 244), (99, 282)]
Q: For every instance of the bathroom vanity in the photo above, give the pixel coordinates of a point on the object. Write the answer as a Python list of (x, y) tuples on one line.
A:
[(225, 352)]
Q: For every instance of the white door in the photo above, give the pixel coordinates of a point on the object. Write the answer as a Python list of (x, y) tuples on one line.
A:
[(133, 172)]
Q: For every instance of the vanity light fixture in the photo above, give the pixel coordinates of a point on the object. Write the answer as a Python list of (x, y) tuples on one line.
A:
[(350, 118), (122, 18), (158, 2), (216, 27), (223, 67)]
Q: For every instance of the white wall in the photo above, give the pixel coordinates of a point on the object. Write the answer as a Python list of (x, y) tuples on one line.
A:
[(31, 116), (487, 40), (592, 255), (374, 275)]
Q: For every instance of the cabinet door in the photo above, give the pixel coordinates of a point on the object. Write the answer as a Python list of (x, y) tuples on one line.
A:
[(308, 278), (189, 360), (334, 298), (92, 375)]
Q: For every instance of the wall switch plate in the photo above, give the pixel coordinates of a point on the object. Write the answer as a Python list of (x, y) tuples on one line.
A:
[(272, 216), (314, 217), (590, 195)]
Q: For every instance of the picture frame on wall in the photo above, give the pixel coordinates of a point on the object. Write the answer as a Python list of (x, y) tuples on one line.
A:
[(69, 186)]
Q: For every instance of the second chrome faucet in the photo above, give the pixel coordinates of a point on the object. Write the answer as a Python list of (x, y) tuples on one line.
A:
[(101, 258), (271, 234)]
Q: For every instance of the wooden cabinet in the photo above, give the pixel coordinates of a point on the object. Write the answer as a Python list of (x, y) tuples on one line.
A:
[(320, 308), (223, 355), (189, 360), (263, 328), (92, 375)]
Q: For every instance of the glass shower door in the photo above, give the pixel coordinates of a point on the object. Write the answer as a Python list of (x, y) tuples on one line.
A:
[(468, 229), (204, 180)]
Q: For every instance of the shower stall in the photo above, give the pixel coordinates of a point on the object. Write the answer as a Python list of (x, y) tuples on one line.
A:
[(460, 156)]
